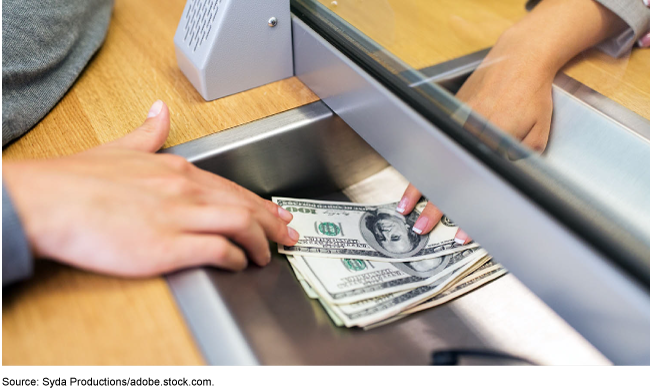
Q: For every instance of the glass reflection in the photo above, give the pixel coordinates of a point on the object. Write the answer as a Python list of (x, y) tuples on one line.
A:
[(554, 95)]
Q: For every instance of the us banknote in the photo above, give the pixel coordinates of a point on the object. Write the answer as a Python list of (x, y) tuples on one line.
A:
[(345, 281), (366, 312), (361, 231), (463, 286), (309, 291), (473, 281), (482, 275)]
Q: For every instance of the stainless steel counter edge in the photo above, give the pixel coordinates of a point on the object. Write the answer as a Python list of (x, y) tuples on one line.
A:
[(607, 307), (216, 332)]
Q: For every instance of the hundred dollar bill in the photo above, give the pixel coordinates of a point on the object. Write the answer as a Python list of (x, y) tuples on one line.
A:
[(465, 285), (345, 281), (333, 316), (311, 293), (366, 312), (362, 231), (462, 287)]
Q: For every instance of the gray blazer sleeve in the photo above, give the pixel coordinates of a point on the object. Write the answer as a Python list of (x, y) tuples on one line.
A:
[(17, 263), (633, 12), (637, 17)]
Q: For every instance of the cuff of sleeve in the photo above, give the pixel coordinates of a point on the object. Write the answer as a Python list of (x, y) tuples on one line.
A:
[(636, 15), (17, 261)]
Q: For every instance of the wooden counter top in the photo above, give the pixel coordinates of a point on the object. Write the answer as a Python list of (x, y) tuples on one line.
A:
[(65, 316)]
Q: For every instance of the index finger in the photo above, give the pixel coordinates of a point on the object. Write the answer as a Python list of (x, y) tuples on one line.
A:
[(428, 219), (214, 181)]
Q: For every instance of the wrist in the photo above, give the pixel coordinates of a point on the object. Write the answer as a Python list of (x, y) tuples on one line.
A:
[(523, 44), (513, 61), (555, 31)]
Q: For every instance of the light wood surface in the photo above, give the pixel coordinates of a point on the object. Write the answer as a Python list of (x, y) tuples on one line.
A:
[(423, 33), (64, 316), (69, 317)]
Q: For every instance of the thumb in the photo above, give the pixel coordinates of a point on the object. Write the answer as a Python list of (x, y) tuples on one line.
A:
[(151, 135)]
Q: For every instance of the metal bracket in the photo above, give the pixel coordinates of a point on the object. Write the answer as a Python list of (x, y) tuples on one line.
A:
[(228, 46)]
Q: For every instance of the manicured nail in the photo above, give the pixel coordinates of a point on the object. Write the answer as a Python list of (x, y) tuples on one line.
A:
[(644, 41), (155, 109), (293, 234), (284, 214), (401, 207), (421, 224), (461, 237)]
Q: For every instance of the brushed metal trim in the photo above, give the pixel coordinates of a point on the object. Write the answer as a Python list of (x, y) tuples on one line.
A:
[(215, 330)]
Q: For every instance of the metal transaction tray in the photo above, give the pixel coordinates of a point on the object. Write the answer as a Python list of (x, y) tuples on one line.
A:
[(262, 316)]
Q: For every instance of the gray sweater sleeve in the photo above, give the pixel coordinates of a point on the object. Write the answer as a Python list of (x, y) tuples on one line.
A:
[(17, 263), (637, 17), (45, 46), (633, 12)]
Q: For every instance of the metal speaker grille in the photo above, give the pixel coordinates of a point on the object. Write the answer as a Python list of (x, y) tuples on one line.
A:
[(199, 18)]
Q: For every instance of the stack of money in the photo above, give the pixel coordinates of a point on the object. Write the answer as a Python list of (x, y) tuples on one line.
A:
[(367, 267)]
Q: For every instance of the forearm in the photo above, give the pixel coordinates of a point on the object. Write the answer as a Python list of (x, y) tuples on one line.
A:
[(557, 30)]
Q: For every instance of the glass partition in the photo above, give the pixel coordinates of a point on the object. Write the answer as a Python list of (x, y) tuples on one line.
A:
[(451, 61)]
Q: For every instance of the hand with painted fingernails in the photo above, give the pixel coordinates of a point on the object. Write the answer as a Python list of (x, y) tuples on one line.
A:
[(121, 209)]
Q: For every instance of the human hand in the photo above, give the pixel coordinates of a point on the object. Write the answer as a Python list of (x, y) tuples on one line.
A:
[(513, 85), (510, 79), (122, 210), (512, 89)]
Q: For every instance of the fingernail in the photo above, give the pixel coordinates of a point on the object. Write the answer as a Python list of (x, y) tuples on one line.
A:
[(647, 3), (284, 214), (155, 109), (461, 237), (293, 234), (644, 41), (421, 224), (401, 207)]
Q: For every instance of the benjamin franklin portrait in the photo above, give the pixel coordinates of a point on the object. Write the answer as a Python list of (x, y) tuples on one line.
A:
[(426, 268), (391, 233)]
